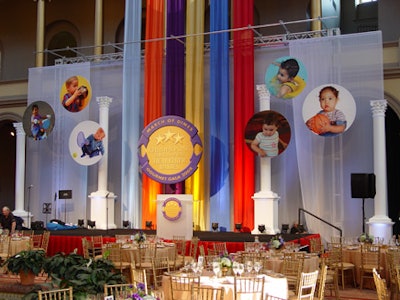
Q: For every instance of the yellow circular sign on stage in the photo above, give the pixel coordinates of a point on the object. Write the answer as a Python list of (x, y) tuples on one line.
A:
[(169, 149), (172, 209)]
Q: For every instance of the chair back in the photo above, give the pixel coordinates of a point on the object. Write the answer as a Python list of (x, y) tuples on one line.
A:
[(138, 276), (316, 245), (118, 290), (322, 281), (392, 260), (45, 241), (220, 247), (5, 246), (85, 248), (249, 285), (37, 240), (293, 264), (181, 286), (96, 245), (160, 265), (58, 294), (194, 242), (380, 284), (307, 285), (207, 293)]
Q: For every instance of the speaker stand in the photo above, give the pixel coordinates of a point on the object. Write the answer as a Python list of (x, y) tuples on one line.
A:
[(363, 215)]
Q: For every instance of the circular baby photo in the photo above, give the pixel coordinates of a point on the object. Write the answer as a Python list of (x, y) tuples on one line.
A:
[(329, 110), (75, 93), (286, 77), (86, 143), (38, 120), (267, 133)]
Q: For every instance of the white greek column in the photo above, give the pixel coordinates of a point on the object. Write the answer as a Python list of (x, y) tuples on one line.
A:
[(265, 201), (102, 201), (380, 225), (20, 175)]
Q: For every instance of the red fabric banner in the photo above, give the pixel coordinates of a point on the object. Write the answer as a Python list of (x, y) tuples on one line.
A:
[(243, 51)]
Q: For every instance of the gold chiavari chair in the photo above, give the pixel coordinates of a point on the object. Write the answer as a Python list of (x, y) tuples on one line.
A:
[(181, 286), (58, 294), (316, 246), (335, 261), (5, 247), (112, 251), (249, 285), (370, 259), (96, 246), (320, 291), (139, 276), (220, 247), (393, 260), (293, 264), (117, 290), (306, 287), (380, 285), (207, 293), (160, 265)]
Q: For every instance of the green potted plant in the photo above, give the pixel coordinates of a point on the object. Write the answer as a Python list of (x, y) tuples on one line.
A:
[(86, 276), (27, 264)]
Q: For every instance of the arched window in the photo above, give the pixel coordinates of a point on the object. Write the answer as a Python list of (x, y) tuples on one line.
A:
[(60, 35)]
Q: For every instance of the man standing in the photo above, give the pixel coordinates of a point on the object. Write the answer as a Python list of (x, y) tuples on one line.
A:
[(7, 220)]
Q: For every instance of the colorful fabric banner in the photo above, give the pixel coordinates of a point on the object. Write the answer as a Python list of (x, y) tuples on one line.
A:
[(243, 51), (219, 207), (195, 100), (152, 95)]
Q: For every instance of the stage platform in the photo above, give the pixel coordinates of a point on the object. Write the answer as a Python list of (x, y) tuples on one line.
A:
[(68, 240)]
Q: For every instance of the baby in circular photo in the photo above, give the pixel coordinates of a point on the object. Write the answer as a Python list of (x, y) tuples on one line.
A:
[(38, 120), (336, 110), (86, 143), (286, 77), (267, 133), (75, 94)]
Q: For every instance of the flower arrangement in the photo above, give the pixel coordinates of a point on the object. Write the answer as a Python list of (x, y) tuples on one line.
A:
[(139, 237), (138, 293), (276, 242), (226, 260), (366, 238)]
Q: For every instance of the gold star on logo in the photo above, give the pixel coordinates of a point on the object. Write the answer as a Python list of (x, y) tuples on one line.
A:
[(169, 135), (178, 138)]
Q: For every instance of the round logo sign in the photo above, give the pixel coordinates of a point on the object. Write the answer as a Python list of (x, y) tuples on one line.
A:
[(169, 149), (172, 209)]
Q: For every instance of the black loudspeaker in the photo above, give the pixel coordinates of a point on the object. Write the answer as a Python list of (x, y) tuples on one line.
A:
[(363, 185)]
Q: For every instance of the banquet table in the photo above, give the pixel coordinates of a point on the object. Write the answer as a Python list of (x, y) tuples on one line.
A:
[(130, 252), (19, 244), (274, 285)]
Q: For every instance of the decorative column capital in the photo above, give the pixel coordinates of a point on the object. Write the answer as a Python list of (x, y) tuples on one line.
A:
[(378, 107), (263, 92), (19, 128), (104, 101)]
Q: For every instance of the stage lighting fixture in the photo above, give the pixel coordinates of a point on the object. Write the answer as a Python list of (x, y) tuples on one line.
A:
[(285, 228), (261, 228), (91, 223), (149, 225), (214, 226), (238, 226), (81, 222), (126, 224)]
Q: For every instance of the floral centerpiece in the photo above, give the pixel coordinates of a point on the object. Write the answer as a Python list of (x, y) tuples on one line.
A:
[(366, 238), (139, 237), (138, 293), (226, 262), (276, 242)]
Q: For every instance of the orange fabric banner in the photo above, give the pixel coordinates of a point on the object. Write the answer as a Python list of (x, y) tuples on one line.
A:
[(152, 95)]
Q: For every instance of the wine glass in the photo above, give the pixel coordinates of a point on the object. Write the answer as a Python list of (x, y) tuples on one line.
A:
[(235, 267), (257, 266), (216, 268), (240, 269), (249, 266)]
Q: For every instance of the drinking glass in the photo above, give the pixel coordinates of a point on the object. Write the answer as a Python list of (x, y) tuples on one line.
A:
[(216, 268), (257, 266), (249, 266), (240, 269), (235, 267)]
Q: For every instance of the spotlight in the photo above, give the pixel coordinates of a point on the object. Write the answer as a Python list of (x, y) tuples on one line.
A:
[(214, 226), (261, 228), (125, 224), (285, 228), (238, 227), (91, 223), (81, 222), (149, 225)]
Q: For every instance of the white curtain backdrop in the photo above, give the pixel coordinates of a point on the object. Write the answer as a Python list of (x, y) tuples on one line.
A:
[(312, 173), (326, 163)]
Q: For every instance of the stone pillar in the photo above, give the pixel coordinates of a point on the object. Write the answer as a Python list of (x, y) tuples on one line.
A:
[(98, 27), (40, 33), (102, 201), (380, 225), (20, 176), (265, 201)]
